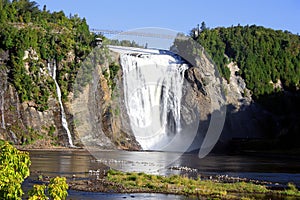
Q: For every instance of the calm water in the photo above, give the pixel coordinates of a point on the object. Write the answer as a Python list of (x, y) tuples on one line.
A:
[(68, 163)]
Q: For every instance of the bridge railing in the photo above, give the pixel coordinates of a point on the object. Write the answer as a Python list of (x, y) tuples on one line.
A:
[(133, 33)]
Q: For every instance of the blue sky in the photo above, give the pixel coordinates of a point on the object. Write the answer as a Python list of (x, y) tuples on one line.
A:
[(181, 15)]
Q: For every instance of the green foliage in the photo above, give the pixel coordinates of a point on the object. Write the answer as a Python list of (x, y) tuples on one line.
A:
[(98, 57), (38, 193), (58, 188), (51, 131), (14, 168), (263, 55), (187, 186), (292, 187), (214, 45), (113, 71), (291, 190), (47, 37), (30, 136)]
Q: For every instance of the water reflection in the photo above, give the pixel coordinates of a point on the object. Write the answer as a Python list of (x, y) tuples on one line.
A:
[(64, 163), (149, 162), (77, 195), (78, 163)]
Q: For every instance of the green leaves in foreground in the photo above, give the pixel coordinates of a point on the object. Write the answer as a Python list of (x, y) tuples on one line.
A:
[(38, 193), (57, 190), (14, 168)]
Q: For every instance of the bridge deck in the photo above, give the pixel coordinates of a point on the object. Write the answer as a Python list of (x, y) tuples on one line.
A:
[(121, 49)]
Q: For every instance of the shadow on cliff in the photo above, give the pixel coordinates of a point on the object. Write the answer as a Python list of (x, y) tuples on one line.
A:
[(269, 125)]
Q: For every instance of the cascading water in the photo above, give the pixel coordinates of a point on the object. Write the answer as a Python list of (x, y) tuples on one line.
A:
[(63, 114), (152, 90), (2, 93), (2, 110), (17, 105)]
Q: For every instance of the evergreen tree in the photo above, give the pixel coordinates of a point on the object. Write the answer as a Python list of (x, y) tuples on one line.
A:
[(263, 55)]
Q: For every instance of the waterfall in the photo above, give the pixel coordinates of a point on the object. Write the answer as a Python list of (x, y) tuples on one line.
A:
[(63, 114), (3, 102), (2, 110), (18, 106), (152, 93)]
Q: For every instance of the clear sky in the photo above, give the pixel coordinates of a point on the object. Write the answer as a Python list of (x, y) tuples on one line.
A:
[(181, 15)]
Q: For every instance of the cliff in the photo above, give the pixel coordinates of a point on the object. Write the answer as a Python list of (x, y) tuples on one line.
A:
[(99, 114), (23, 123), (40, 53), (98, 117), (92, 87), (226, 108)]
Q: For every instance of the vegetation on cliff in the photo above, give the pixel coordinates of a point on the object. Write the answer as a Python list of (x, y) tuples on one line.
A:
[(265, 56), (31, 38), (269, 62)]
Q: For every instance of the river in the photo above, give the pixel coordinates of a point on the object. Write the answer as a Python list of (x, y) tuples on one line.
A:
[(76, 164)]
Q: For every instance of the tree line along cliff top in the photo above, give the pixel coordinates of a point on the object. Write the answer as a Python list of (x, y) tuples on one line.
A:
[(265, 57)]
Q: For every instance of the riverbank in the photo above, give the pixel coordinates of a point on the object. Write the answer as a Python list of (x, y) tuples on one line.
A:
[(118, 182), (248, 147), (87, 175), (53, 148), (47, 145)]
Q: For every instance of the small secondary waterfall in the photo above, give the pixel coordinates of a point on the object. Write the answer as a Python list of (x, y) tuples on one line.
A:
[(2, 93), (153, 90), (63, 114), (17, 105), (2, 110)]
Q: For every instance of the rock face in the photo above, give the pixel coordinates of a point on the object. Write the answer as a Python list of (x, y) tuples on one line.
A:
[(223, 107), (97, 110), (94, 117), (98, 117), (202, 103), (242, 113), (21, 123), (207, 97)]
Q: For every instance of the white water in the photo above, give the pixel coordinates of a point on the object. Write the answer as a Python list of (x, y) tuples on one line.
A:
[(18, 106), (153, 89), (63, 114), (3, 88), (2, 110)]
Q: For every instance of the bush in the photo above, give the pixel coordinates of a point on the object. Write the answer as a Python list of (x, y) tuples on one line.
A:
[(38, 193), (14, 168), (58, 188)]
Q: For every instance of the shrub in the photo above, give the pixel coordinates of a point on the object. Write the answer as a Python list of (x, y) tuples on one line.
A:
[(58, 188), (14, 168), (37, 193)]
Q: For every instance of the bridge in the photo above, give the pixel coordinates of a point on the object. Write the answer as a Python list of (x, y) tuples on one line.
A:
[(132, 50), (132, 33)]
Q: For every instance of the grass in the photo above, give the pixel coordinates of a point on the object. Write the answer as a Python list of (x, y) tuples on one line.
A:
[(181, 185)]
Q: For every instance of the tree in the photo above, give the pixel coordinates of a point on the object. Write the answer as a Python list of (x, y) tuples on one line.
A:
[(203, 26)]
